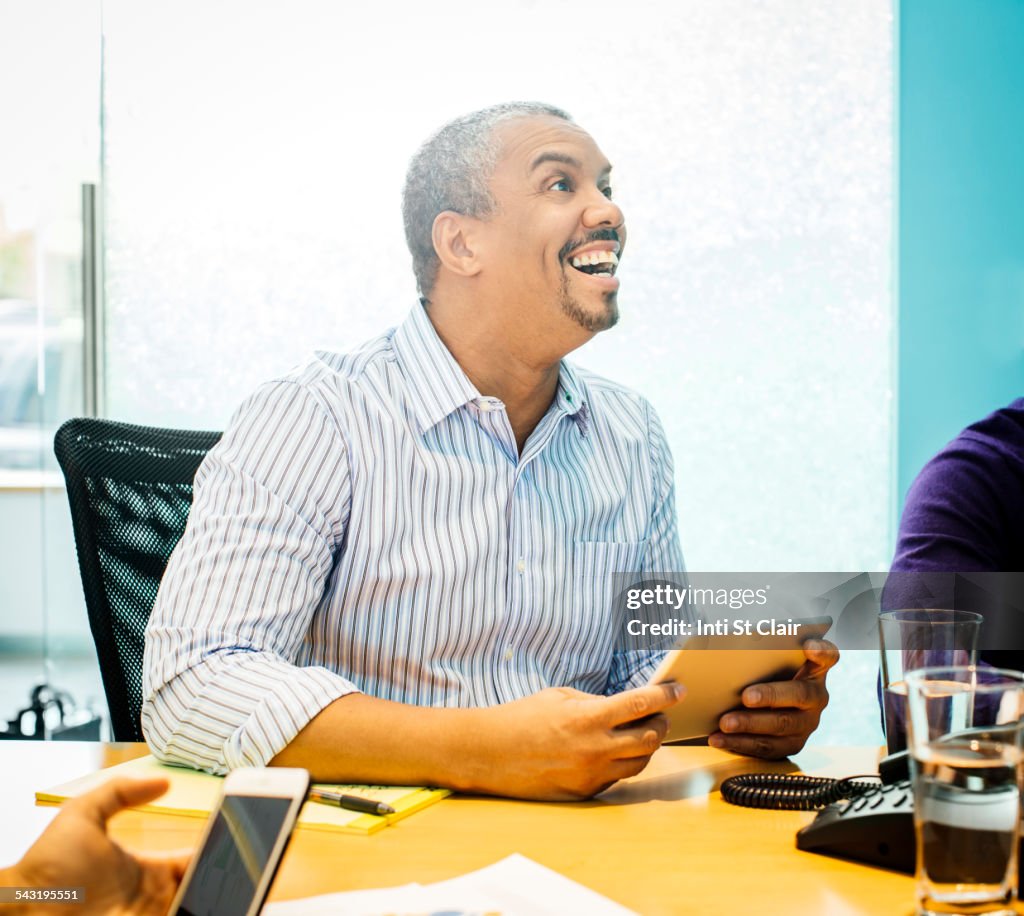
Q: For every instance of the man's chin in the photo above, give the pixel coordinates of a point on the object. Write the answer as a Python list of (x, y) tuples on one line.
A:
[(611, 306), (596, 318), (594, 310)]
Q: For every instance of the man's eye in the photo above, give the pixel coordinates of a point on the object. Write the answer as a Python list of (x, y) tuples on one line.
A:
[(563, 184), (607, 192)]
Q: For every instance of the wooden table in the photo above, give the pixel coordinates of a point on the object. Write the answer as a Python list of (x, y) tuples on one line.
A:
[(662, 842)]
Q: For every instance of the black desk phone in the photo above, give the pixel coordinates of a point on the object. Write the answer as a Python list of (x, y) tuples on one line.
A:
[(865, 821), (870, 822), (876, 827)]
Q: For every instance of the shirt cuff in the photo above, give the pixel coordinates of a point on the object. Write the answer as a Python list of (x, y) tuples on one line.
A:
[(238, 710)]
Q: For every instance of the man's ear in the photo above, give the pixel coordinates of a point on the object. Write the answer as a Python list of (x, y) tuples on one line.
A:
[(454, 238)]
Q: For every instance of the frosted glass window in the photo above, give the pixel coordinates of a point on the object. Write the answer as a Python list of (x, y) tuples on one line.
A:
[(255, 154), (49, 147)]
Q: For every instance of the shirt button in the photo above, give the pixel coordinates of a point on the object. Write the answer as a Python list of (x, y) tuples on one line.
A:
[(521, 565), (508, 655)]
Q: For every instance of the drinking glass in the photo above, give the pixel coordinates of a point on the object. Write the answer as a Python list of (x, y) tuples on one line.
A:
[(964, 732), (920, 638)]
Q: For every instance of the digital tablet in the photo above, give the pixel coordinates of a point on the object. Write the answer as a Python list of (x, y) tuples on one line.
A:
[(716, 670)]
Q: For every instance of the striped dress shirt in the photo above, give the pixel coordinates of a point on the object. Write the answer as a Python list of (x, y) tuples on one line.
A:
[(367, 523)]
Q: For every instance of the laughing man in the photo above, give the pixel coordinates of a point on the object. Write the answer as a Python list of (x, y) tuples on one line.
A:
[(396, 565)]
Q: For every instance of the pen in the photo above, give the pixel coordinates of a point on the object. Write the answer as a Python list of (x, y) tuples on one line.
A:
[(350, 802)]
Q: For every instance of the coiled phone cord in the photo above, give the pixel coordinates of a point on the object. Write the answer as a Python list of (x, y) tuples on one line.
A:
[(791, 791)]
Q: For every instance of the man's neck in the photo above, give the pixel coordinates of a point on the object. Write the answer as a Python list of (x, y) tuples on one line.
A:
[(525, 382)]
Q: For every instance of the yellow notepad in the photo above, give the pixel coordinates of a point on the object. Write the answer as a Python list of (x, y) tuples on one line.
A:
[(195, 794)]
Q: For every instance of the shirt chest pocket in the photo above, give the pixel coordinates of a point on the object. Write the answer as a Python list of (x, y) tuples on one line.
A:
[(595, 626), (595, 565)]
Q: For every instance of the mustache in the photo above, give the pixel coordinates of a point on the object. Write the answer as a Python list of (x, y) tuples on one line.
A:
[(598, 235)]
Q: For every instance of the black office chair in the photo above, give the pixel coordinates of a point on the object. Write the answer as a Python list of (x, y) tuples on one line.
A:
[(130, 490)]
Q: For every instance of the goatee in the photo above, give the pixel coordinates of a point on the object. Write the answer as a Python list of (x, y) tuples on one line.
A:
[(587, 320)]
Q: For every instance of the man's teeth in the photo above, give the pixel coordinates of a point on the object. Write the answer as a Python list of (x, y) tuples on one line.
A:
[(595, 257)]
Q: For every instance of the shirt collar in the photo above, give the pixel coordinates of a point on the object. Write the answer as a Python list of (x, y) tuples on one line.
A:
[(439, 387), (572, 397), (437, 384)]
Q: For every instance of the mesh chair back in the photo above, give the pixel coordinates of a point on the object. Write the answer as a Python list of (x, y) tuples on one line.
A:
[(130, 490)]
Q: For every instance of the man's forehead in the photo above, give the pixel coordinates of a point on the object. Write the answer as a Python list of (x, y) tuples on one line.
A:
[(528, 143)]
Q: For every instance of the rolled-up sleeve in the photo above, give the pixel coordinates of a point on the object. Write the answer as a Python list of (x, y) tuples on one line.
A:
[(221, 685)]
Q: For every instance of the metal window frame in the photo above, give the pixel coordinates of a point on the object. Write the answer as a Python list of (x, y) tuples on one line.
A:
[(93, 361)]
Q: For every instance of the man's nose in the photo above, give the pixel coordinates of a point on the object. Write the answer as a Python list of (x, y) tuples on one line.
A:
[(602, 211)]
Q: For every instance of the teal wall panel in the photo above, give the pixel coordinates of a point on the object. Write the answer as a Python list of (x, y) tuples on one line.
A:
[(961, 219)]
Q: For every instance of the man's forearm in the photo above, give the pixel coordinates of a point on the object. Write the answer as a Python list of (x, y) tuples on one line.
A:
[(362, 739), (557, 745)]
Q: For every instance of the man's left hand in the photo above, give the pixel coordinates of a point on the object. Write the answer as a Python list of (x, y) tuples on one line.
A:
[(780, 716)]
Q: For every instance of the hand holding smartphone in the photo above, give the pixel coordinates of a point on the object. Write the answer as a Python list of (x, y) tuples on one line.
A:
[(243, 844)]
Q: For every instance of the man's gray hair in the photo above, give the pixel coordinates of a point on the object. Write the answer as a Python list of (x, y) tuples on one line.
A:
[(451, 171)]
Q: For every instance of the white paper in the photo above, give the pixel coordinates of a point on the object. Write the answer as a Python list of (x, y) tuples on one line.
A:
[(515, 886)]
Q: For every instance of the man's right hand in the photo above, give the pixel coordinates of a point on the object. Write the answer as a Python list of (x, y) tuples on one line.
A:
[(557, 745), (562, 744)]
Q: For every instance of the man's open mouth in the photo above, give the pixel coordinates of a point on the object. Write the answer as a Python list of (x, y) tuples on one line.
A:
[(596, 263)]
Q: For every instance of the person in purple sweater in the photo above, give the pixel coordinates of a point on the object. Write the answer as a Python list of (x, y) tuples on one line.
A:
[(965, 514)]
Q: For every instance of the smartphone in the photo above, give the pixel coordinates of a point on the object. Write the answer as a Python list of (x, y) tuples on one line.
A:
[(243, 844)]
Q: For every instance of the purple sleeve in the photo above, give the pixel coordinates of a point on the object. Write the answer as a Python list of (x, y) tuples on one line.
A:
[(959, 517), (965, 514), (955, 518)]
